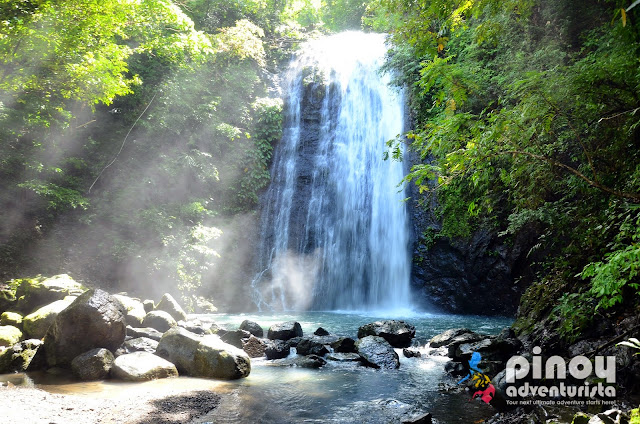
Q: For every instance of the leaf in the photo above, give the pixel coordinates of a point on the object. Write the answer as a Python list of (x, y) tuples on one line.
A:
[(635, 3), (624, 17)]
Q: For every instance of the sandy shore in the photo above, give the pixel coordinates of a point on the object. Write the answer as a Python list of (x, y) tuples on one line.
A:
[(26, 405)]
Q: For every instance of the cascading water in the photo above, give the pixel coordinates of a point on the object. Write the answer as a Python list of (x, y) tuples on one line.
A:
[(335, 228)]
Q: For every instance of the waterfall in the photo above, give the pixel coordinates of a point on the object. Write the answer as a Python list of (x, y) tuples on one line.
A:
[(335, 230)]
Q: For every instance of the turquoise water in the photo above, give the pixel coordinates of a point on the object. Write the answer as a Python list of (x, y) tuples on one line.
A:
[(335, 393), (346, 393)]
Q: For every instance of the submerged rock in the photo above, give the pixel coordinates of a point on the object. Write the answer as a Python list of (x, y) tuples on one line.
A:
[(159, 320), (411, 353), (397, 333), (285, 331), (170, 305), (377, 352), (93, 365), (344, 357), (94, 319), (19, 356), (142, 366), (321, 332)]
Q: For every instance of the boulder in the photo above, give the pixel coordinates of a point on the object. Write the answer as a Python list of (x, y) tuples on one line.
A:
[(148, 305), (277, 349), (93, 365), (376, 352), (217, 359), (140, 344), (179, 346), (411, 353), (285, 331), (321, 332), (148, 332), (235, 337), (344, 357), (135, 309), (142, 366), (315, 345), (252, 327), (196, 326), (202, 305), (11, 318), (203, 356), (159, 320), (9, 335), (19, 356), (254, 346), (32, 293), (37, 323), (94, 319), (492, 349), (448, 336), (170, 305), (344, 345), (397, 333)]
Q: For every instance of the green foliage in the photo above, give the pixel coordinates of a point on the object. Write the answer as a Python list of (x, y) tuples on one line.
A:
[(57, 197)]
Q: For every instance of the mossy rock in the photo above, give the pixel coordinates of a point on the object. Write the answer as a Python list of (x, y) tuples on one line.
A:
[(19, 356), (11, 318), (37, 323), (9, 335), (32, 293), (635, 416)]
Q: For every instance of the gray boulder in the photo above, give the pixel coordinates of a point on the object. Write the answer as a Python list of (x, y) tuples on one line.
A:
[(159, 320), (376, 352), (217, 359), (170, 305), (344, 345), (397, 333), (148, 332), (315, 345), (235, 337), (443, 339), (411, 353), (94, 319), (252, 327), (140, 344), (135, 309), (179, 346), (285, 331), (93, 365), (38, 322), (148, 305), (203, 356), (277, 349), (19, 356), (142, 366)]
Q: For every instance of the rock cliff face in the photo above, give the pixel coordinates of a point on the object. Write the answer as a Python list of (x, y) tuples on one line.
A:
[(474, 276)]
